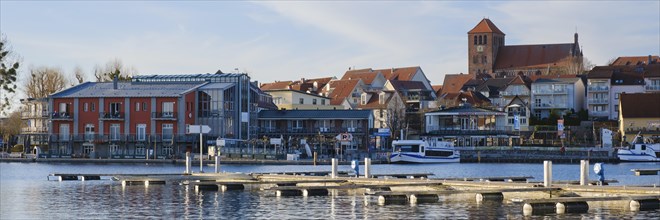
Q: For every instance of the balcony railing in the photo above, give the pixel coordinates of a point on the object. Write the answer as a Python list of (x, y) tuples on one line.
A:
[(111, 116), (598, 101), (525, 93), (122, 138), (458, 130), (599, 113), (164, 115), (550, 91), (653, 87), (309, 130), (598, 88), (34, 130), (522, 114), (61, 116), (549, 105), (29, 114)]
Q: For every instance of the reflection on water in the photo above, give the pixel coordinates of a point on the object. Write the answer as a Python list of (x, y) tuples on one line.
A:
[(26, 194)]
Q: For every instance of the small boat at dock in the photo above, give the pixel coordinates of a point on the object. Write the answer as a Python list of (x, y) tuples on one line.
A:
[(640, 151), (422, 151)]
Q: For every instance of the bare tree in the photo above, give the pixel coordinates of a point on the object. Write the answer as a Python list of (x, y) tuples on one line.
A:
[(114, 68), (396, 117), (44, 81), (79, 74), (8, 72), (11, 126)]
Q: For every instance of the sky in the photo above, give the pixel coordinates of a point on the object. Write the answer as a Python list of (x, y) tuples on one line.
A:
[(289, 40)]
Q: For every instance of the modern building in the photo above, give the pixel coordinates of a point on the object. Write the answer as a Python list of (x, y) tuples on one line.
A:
[(561, 95), (606, 83), (294, 99), (35, 120), (489, 54), (469, 126), (150, 115), (328, 132)]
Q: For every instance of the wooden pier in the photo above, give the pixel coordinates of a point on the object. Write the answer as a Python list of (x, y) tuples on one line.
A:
[(413, 188), (642, 172)]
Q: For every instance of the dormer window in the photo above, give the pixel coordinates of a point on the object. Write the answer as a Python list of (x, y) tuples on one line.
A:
[(364, 98)]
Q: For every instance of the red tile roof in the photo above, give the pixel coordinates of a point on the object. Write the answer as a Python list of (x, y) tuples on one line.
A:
[(407, 85), (485, 26), (454, 82), (400, 73), (374, 102), (634, 60), (367, 75), (437, 89), (518, 81), (640, 105), (341, 90), (276, 85), (535, 56)]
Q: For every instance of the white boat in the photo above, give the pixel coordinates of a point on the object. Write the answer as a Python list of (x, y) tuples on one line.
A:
[(419, 151), (640, 151)]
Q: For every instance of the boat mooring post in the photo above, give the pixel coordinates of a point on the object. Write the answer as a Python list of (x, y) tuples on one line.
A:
[(584, 172), (188, 163), (334, 168), (217, 163), (367, 167), (315, 158), (547, 173)]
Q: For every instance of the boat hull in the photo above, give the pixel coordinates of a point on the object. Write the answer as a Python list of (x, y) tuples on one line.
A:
[(413, 158), (627, 156)]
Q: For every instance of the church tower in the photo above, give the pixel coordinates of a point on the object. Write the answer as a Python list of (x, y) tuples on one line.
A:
[(484, 41)]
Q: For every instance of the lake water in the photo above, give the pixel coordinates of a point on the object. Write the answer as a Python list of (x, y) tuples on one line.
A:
[(25, 193)]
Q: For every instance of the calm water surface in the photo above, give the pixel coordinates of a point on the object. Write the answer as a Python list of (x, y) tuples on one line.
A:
[(25, 193)]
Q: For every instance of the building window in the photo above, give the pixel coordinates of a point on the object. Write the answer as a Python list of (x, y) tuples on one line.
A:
[(115, 108), (89, 132), (475, 40), (301, 101), (480, 40), (616, 108), (88, 149), (85, 106), (114, 132), (322, 101), (144, 106), (380, 113), (93, 107), (616, 96), (168, 132), (313, 101), (168, 109), (485, 39), (64, 132), (137, 106), (141, 132)]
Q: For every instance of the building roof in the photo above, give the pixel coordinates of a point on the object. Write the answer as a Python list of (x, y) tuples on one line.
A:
[(298, 91), (314, 114), (600, 72), (518, 80), (494, 85), (366, 75), (640, 105), (626, 79), (407, 85), (557, 80), (129, 89), (454, 82), (400, 73), (467, 110), (276, 85), (341, 90), (374, 101), (485, 26), (471, 97), (538, 56), (635, 60)]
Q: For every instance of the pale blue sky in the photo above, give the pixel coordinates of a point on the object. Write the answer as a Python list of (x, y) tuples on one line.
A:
[(276, 40)]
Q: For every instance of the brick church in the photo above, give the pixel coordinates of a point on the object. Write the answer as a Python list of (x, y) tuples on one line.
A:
[(489, 56)]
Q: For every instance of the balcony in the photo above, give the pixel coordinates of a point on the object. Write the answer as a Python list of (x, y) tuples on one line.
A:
[(524, 93), (459, 131), (309, 130), (598, 101), (599, 113), (598, 88), (27, 114), (164, 115), (109, 116), (549, 106), (64, 116), (34, 130), (549, 91), (652, 87)]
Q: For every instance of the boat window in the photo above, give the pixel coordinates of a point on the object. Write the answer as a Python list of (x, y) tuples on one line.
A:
[(407, 148), (632, 147), (422, 149), (433, 153), (643, 147)]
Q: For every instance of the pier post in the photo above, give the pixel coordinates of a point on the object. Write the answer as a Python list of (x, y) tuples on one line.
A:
[(217, 164), (367, 167), (584, 172), (547, 173), (188, 163), (334, 168), (315, 158)]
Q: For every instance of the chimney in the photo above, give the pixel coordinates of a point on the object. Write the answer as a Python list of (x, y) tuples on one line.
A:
[(114, 82), (575, 38)]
